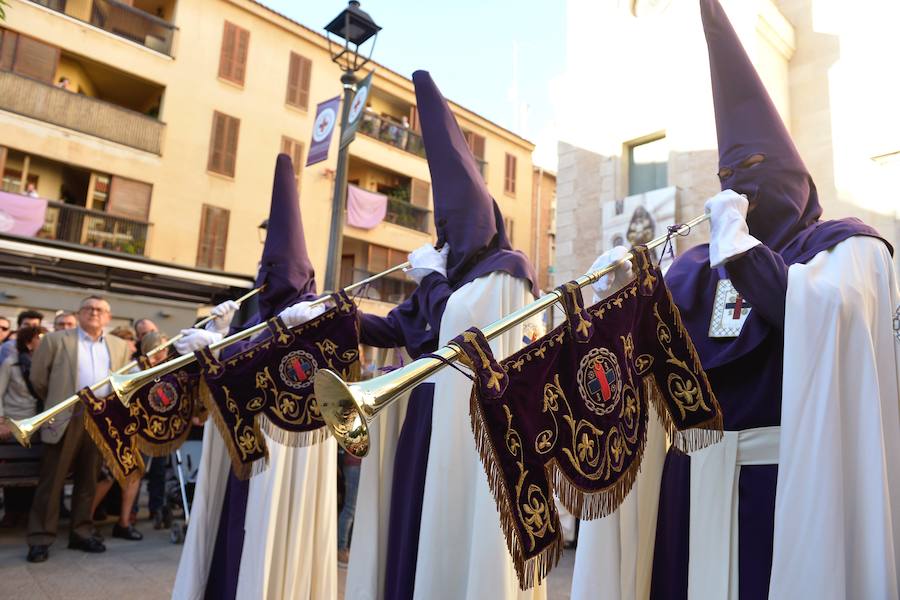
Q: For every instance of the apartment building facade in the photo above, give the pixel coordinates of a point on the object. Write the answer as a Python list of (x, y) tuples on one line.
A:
[(152, 127)]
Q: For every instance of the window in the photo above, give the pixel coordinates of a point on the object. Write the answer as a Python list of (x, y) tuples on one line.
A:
[(299, 73), (508, 226), (233, 56), (419, 193), (27, 56), (223, 144), (476, 144), (294, 149), (129, 198), (648, 165), (509, 178), (213, 237)]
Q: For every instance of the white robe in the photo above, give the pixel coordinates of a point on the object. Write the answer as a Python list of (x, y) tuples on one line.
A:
[(462, 551), (368, 552), (206, 508), (290, 529), (837, 508), (837, 505), (614, 557), (290, 538)]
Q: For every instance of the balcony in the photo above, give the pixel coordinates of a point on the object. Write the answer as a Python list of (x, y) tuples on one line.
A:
[(389, 132), (97, 229), (401, 212), (129, 22), (31, 98)]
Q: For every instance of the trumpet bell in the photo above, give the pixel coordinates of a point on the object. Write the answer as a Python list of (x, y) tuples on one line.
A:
[(22, 430), (124, 385), (343, 408)]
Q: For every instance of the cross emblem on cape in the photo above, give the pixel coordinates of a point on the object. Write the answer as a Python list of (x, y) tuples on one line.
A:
[(729, 312)]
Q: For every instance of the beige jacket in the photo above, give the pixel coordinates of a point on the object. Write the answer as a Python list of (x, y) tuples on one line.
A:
[(54, 373)]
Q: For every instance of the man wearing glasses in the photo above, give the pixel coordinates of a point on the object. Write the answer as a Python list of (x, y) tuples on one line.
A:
[(65, 362)]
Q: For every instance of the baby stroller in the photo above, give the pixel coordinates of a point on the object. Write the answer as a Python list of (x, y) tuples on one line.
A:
[(179, 491)]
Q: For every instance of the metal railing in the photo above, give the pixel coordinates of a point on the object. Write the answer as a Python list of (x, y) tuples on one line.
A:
[(405, 214), (393, 288), (48, 103), (124, 21), (133, 24), (392, 133), (79, 225)]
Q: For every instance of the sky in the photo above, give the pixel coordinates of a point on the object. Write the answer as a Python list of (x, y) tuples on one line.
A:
[(497, 58)]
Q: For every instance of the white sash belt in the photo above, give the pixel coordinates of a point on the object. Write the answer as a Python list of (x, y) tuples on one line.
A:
[(713, 560)]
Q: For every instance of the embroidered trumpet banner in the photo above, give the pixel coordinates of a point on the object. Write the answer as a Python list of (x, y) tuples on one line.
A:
[(268, 385), (156, 421), (567, 414)]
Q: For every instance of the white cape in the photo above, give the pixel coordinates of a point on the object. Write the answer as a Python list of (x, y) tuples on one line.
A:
[(614, 557), (290, 539), (200, 541), (837, 508), (290, 530), (368, 552), (462, 552)]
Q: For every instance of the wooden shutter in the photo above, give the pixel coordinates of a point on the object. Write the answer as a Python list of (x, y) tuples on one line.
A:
[(414, 119), (7, 49), (223, 144), (378, 258), (294, 149), (34, 59), (508, 225), (419, 193), (213, 237), (509, 178), (129, 198), (299, 74), (476, 144), (233, 55)]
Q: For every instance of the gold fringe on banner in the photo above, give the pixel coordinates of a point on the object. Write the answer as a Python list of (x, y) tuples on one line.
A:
[(242, 470), (110, 456), (293, 439)]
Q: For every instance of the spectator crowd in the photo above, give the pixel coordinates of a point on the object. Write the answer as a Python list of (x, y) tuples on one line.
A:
[(40, 366)]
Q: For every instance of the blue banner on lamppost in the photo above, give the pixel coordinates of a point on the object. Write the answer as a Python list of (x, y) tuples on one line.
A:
[(323, 128)]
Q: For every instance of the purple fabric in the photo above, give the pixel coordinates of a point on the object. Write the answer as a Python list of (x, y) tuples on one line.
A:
[(408, 488), (784, 204), (21, 215), (365, 209), (112, 428), (289, 277), (568, 413), (465, 215), (272, 380)]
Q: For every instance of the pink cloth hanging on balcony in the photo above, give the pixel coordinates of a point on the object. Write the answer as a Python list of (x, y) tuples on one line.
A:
[(365, 209), (21, 215)]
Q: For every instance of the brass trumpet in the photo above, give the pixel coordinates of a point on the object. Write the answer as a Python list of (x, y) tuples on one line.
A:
[(348, 408), (23, 429), (125, 385)]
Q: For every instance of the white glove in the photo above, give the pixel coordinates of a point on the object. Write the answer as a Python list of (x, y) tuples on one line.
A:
[(301, 313), (223, 314), (195, 339), (426, 260), (611, 283), (730, 235)]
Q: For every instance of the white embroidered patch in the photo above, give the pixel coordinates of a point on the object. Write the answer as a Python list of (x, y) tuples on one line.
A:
[(730, 311), (897, 323)]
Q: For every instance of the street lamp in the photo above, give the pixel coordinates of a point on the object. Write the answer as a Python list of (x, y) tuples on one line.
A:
[(355, 27)]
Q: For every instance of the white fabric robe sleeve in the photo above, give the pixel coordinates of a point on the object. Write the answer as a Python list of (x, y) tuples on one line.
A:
[(200, 541), (837, 508), (368, 552), (462, 551)]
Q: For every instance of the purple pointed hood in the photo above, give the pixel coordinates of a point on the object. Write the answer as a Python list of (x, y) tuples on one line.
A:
[(749, 129), (465, 215), (757, 157), (285, 268)]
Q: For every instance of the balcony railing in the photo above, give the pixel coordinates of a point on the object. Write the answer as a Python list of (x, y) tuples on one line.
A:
[(401, 212), (392, 133), (48, 103), (391, 288), (78, 225), (125, 21)]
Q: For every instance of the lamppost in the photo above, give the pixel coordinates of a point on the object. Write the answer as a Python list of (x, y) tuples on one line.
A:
[(355, 28)]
